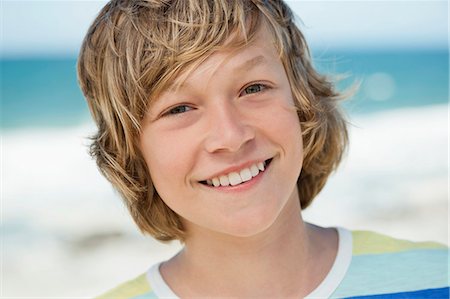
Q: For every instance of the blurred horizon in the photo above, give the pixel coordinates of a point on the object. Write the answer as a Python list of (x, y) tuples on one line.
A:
[(43, 92)]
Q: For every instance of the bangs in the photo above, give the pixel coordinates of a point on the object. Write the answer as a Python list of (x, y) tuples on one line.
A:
[(230, 27)]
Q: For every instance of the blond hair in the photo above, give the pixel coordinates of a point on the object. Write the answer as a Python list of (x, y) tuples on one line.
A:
[(135, 48)]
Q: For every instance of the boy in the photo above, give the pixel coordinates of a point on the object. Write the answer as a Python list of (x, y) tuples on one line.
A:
[(217, 131)]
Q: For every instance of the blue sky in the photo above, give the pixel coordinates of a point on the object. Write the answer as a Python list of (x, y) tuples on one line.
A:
[(31, 28)]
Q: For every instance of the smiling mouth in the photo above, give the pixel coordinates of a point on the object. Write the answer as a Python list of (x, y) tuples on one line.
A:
[(238, 177)]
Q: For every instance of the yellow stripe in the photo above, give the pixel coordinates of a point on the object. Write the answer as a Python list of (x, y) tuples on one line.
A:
[(365, 242), (135, 287)]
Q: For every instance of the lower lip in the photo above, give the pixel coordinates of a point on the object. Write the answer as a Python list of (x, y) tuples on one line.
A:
[(243, 186)]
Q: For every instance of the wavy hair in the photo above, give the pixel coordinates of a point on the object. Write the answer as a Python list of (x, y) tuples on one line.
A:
[(134, 49)]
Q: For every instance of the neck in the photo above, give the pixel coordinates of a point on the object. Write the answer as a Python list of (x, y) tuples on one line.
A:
[(281, 261)]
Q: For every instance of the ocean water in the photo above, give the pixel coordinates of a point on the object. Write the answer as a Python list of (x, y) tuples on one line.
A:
[(41, 93), (60, 216), (44, 92), (389, 79)]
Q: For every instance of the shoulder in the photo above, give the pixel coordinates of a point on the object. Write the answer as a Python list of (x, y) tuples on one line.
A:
[(399, 258), (368, 242), (137, 287), (381, 264)]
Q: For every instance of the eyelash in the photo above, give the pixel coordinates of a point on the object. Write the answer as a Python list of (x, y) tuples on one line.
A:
[(260, 85), (172, 111)]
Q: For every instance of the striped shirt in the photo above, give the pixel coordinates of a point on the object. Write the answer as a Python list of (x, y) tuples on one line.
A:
[(368, 265)]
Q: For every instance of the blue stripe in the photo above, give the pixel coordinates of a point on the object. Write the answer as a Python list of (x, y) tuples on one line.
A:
[(149, 295), (422, 294), (395, 273)]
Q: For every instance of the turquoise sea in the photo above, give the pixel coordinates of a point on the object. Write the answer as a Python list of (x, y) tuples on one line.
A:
[(43, 92)]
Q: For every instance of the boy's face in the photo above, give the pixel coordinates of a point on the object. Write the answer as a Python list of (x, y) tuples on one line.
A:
[(232, 112)]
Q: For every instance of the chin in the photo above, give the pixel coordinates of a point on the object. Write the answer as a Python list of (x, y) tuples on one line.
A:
[(251, 224)]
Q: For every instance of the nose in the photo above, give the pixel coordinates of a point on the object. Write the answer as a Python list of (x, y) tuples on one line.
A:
[(228, 130)]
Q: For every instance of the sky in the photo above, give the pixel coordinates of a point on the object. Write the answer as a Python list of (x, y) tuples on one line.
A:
[(34, 28)]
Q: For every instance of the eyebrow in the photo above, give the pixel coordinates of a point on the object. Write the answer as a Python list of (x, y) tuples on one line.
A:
[(245, 66), (251, 63)]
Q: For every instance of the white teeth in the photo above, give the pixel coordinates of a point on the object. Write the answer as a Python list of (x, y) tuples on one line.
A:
[(234, 178), (216, 182), (246, 174), (261, 166), (224, 181), (254, 170)]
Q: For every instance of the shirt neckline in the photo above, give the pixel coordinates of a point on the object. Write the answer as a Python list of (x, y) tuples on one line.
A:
[(324, 290), (340, 266)]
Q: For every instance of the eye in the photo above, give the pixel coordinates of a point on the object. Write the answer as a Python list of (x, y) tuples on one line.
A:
[(177, 110), (254, 88)]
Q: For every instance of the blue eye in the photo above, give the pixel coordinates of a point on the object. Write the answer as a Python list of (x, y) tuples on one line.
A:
[(178, 110), (254, 88)]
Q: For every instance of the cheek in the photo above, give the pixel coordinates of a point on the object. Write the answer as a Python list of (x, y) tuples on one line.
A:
[(284, 124), (285, 130), (167, 160)]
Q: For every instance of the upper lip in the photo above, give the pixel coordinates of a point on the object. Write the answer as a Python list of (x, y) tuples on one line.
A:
[(235, 168)]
